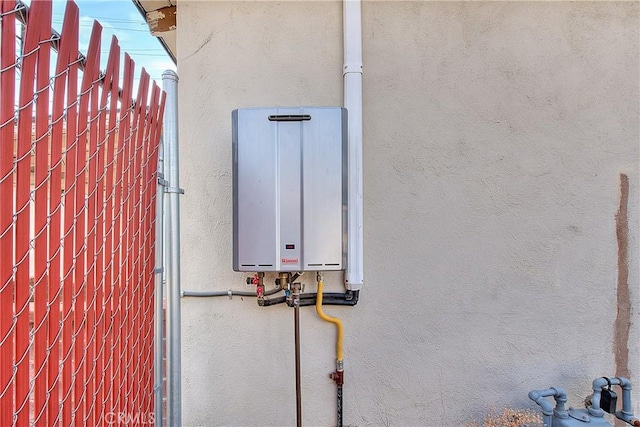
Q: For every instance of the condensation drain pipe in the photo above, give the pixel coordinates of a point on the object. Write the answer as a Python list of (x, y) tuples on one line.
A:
[(352, 77)]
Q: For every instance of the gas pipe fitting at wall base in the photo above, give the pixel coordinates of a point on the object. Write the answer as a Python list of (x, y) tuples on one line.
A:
[(338, 377)]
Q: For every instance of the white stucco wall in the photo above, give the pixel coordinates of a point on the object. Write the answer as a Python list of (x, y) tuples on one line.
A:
[(495, 134)]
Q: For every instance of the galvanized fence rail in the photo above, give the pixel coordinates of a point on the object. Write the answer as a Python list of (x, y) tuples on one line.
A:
[(78, 173)]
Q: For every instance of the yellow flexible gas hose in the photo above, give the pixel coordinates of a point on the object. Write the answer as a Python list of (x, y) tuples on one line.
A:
[(333, 320)]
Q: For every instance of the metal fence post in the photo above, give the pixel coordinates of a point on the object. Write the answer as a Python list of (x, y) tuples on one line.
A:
[(174, 395), (158, 344)]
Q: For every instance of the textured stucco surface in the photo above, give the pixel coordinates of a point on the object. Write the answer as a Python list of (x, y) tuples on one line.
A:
[(495, 134)]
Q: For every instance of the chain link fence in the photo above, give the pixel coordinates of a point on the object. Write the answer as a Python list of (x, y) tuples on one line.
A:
[(78, 172)]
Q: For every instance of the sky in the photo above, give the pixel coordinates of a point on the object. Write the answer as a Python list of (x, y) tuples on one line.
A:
[(122, 19)]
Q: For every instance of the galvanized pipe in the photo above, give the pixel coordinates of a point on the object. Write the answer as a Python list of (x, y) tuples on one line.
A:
[(230, 293), (296, 321), (174, 395), (158, 294), (296, 328), (339, 407)]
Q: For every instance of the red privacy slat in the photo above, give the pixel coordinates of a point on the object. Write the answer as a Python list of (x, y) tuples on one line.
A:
[(119, 253), (89, 80), (90, 312), (126, 285), (68, 48), (133, 232), (111, 205), (150, 226), (103, 220), (35, 58), (66, 79), (40, 209), (138, 320), (78, 174), (147, 225), (7, 134)]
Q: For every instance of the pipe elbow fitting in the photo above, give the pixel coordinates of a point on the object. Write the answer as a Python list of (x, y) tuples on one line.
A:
[(624, 383), (560, 395), (534, 395), (538, 396), (599, 383)]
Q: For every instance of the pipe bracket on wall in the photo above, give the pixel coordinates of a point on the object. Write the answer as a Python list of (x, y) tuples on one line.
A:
[(175, 190), (352, 67)]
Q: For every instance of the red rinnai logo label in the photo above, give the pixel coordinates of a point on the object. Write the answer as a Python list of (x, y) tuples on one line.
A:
[(289, 260)]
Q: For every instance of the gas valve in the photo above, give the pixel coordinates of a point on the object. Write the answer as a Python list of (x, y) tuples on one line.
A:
[(257, 280)]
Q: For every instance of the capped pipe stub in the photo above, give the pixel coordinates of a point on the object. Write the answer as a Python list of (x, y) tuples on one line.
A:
[(169, 75)]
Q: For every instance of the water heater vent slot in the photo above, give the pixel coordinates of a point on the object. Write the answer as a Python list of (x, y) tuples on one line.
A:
[(326, 265), (289, 117)]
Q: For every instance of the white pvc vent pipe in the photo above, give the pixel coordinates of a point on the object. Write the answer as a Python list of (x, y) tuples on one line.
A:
[(352, 75)]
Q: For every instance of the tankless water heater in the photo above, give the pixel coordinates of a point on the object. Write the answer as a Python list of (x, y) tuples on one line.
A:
[(289, 189)]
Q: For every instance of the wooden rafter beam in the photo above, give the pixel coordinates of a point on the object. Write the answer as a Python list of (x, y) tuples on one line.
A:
[(162, 20)]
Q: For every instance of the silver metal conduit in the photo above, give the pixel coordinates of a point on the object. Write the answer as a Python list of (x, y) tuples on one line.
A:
[(174, 395), (230, 293)]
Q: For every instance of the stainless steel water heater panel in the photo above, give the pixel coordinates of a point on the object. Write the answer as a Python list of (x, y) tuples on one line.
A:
[(289, 189)]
